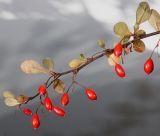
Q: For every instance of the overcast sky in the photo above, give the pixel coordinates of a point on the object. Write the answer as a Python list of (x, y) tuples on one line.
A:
[(62, 29)]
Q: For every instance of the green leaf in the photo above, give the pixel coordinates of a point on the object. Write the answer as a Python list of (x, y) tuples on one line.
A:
[(140, 33), (82, 57), (143, 13), (59, 86), (101, 43), (154, 19), (32, 67), (48, 63), (121, 29)]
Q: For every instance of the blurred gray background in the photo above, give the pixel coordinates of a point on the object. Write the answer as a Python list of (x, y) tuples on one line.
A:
[(62, 29)]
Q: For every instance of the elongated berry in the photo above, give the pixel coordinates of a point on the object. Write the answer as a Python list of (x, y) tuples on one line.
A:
[(42, 89), (149, 66), (27, 111), (119, 70), (48, 103), (91, 94), (65, 99), (118, 49), (35, 121), (58, 111)]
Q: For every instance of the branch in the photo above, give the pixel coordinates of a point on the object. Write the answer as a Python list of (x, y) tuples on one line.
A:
[(106, 52), (94, 57)]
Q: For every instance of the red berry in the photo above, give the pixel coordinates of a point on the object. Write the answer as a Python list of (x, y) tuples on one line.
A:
[(119, 70), (91, 94), (35, 121), (149, 66), (42, 89), (65, 99), (118, 49), (48, 103), (58, 111), (27, 111)]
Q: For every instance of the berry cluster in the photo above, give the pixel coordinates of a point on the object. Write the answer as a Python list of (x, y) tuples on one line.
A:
[(50, 107), (148, 65)]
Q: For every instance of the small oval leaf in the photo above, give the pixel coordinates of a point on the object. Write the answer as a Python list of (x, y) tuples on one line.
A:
[(48, 63), (140, 33), (154, 19), (82, 57), (112, 59), (101, 44), (11, 102), (59, 86), (76, 63), (32, 67), (121, 29), (22, 99), (139, 46), (8, 94), (143, 13)]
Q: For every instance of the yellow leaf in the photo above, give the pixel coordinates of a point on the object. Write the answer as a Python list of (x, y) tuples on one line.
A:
[(143, 13), (59, 86), (48, 63), (11, 102), (139, 46), (158, 25), (136, 28), (101, 43), (7, 94), (112, 59), (76, 63), (32, 67), (154, 19), (121, 29)]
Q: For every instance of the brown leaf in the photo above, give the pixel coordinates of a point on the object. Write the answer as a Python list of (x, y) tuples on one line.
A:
[(139, 46), (22, 99), (59, 86)]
